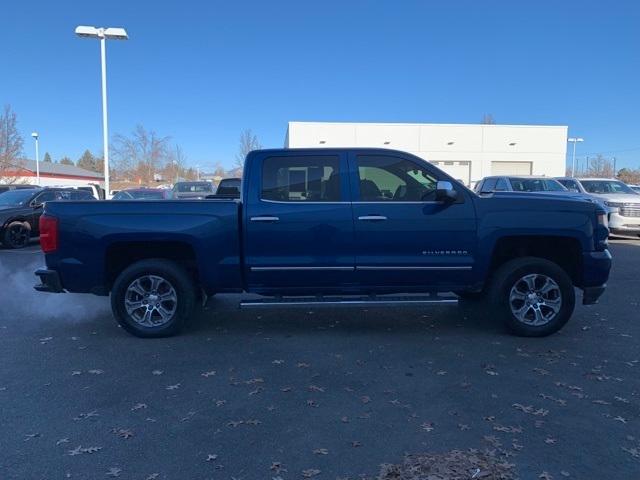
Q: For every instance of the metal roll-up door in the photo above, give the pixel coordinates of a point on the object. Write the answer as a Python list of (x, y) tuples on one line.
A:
[(511, 168)]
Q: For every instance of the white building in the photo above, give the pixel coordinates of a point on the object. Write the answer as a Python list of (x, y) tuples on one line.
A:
[(466, 152)]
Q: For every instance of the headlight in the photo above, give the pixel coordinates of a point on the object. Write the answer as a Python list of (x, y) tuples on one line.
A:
[(603, 219), (613, 204)]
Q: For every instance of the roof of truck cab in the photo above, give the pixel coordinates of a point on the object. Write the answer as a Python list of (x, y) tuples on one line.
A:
[(331, 149)]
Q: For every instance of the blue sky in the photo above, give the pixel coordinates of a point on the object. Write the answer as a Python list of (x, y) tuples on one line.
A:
[(201, 72)]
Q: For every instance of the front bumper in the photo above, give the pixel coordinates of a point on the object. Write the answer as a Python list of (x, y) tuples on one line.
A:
[(596, 267), (621, 224), (49, 281)]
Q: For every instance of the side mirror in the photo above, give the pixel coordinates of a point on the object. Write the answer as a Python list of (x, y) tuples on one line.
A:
[(445, 192)]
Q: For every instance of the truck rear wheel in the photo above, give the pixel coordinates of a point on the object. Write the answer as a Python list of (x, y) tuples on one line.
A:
[(533, 296), (153, 298)]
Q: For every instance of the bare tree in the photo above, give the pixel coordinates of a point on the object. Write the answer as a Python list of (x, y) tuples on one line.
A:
[(629, 175), (141, 154), (174, 167), (219, 171), (600, 166), (248, 142), (487, 119), (10, 146)]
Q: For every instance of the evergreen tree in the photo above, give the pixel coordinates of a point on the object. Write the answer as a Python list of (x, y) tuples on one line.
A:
[(87, 161), (47, 158), (66, 161)]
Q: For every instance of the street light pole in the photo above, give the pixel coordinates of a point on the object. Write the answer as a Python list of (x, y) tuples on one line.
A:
[(35, 136), (105, 124), (574, 140), (103, 34)]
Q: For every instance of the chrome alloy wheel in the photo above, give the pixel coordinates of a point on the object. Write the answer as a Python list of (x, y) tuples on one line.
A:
[(535, 299), (151, 301)]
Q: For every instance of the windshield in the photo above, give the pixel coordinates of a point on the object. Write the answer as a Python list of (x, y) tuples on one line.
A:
[(603, 187), (536, 185), (194, 187), (15, 197)]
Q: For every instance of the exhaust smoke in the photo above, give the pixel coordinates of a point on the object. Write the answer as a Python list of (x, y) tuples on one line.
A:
[(19, 302)]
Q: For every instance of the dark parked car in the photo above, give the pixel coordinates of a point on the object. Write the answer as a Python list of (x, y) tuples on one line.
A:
[(229, 187), (332, 227), (143, 194), (21, 208), (192, 190), (6, 188)]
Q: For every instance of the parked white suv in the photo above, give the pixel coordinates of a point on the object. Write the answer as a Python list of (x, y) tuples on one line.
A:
[(96, 190), (622, 202)]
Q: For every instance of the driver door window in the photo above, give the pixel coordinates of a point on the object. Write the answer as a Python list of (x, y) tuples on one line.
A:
[(393, 179)]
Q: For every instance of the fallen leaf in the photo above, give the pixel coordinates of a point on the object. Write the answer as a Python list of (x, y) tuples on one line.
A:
[(114, 472)]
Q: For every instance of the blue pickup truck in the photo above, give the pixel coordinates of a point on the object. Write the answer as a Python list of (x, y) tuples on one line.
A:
[(332, 227)]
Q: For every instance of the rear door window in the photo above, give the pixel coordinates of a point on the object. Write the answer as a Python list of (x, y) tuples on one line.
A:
[(301, 179)]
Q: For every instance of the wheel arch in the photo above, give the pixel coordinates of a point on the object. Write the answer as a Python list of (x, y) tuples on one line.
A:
[(564, 251), (120, 255)]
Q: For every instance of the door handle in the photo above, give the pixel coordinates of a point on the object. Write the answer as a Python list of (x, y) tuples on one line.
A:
[(265, 219), (372, 218)]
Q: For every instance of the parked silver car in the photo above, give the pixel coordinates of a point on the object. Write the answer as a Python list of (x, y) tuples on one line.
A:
[(622, 202), (528, 183)]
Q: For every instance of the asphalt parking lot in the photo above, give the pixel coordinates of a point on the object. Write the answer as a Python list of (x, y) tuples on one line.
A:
[(324, 394)]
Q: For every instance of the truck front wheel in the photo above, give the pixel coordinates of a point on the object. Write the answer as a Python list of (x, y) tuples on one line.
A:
[(153, 298), (533, 296)]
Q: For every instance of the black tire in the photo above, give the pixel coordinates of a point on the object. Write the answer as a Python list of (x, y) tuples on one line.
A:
[(511, 275), (16, 235), (179, 301)]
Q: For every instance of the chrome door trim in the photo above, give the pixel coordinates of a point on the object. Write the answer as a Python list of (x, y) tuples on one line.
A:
[(277, 269), (264, 218), (369, 268), (372, 218), (393, 202), (303, 202)]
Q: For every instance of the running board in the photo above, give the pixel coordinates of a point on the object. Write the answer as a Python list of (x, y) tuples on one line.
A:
[(350, 301)]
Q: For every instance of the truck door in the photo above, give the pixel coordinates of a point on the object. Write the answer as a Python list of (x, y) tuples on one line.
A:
[(298, 224), (403, 236)]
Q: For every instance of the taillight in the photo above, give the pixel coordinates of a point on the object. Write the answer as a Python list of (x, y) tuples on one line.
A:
[(48, 233)]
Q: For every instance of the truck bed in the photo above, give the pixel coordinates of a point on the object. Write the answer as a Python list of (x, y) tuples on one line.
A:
[(95, 237)]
